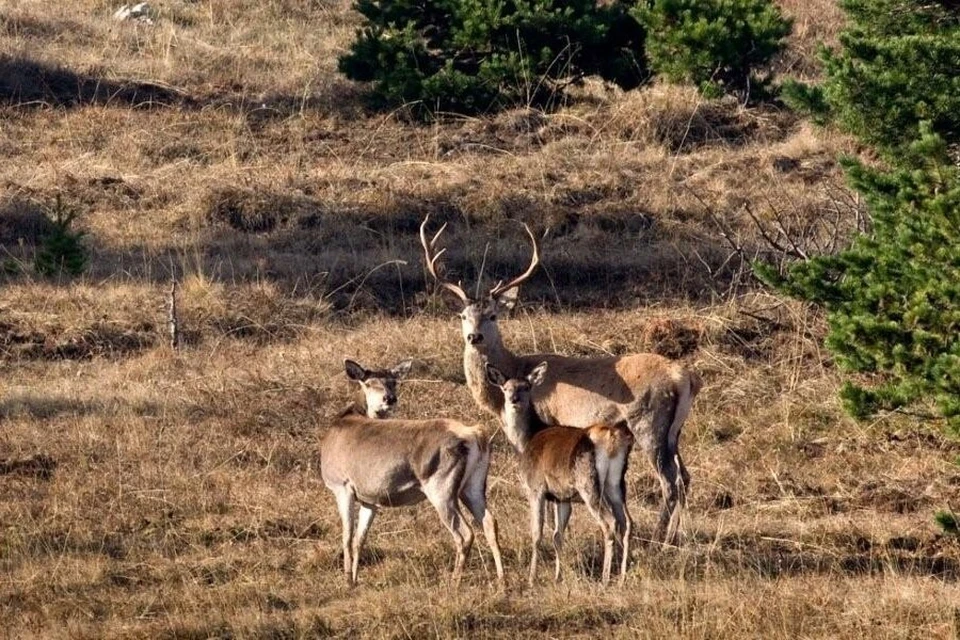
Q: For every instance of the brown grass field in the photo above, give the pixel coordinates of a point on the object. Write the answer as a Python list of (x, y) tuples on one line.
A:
[(147, 492)]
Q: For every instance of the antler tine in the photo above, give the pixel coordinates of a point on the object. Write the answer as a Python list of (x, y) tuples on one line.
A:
[(436, 236), (534, 261), (427, 247), (431, 260)]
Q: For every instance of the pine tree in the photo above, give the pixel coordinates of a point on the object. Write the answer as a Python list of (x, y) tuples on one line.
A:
[(474, 56), (899, 64), (718, 45), (61, 250), (893, 298)]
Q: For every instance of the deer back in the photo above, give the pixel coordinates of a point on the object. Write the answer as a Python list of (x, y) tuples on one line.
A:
[(611, 439), (386, 457), (580, 392)]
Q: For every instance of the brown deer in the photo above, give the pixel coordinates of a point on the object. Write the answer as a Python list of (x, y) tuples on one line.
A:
[(652, 393), (559, 464), (376, 462)]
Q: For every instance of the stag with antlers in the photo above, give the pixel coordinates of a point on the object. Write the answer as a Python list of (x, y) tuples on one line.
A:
[(652, 393)]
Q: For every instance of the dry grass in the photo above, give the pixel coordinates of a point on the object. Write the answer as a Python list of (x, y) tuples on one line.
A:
[(815, 25), (185, 499), (146, 493)]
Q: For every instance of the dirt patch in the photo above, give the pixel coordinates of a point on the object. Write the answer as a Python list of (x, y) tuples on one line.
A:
[(670, 338), (892, 498)]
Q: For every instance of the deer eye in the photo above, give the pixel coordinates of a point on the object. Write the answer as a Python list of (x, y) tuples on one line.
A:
[(493, 317)]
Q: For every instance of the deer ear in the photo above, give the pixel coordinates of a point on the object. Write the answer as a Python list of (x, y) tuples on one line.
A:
[(536, 376), (402, 369), (354, 370), (508, 299), (495, 376)]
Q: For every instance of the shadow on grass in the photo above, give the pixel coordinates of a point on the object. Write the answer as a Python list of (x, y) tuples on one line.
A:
[(772, 558), (28, 83), (49, 407), (370, 258), (102, 338), (39, 466), (22, 222), (367, 256)]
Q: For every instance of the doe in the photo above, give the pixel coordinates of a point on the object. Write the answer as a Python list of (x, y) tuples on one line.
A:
[(378, 462)]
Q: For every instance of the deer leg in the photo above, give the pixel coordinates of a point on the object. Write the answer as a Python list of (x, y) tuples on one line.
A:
[(628, 529), (345, 500), (589, 489), (562, 514), (685, 479), (668, 471), (462, 534), (364, 520), (474, 496), (537, 504), (616, 498), (443, 494)]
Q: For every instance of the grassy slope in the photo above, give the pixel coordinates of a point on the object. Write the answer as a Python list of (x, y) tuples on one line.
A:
[(152, 493)]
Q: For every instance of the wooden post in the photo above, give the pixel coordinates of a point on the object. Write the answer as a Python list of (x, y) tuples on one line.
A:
[(173, 322)]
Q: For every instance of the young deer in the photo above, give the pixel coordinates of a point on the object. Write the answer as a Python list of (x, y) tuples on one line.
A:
[(653, 393), (376, 462), (560, 464)]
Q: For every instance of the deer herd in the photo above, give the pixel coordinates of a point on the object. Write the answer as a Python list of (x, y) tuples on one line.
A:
[(572, 421)]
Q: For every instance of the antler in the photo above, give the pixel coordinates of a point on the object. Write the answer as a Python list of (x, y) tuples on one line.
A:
[(534, 261), (431, 260)]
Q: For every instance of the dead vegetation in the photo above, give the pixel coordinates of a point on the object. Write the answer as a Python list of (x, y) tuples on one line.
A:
[(147, 492)]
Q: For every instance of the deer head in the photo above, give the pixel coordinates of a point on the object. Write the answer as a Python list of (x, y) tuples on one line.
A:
[(519, 420), (478, 317), (379, 387), (516, 391)]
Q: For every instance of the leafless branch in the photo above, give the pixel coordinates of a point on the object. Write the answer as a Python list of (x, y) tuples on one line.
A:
[(793, 250)]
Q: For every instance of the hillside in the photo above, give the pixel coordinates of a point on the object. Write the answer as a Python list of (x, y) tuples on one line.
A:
[(146, 492)]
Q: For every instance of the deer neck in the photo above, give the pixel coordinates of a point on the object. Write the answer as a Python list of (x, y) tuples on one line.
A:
[(486, 395), (517, 426)]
